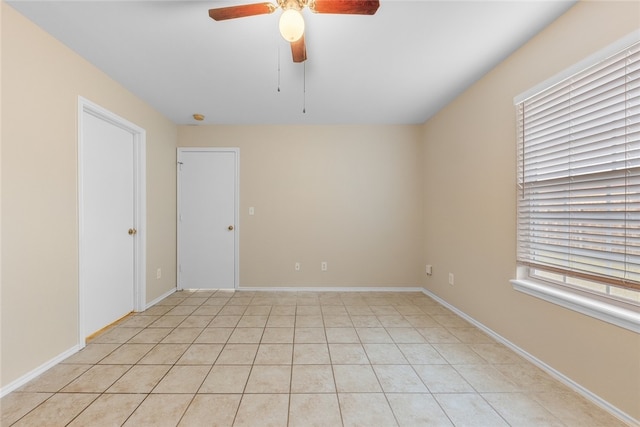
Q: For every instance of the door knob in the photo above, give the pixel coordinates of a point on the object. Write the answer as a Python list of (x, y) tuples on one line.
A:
[(132, 231), (230, 227)]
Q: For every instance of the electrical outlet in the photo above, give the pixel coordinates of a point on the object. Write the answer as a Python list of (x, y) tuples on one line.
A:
[(451, 279), (297, 266), (252, 210), (323, 266), (429, 269), (159, 273)]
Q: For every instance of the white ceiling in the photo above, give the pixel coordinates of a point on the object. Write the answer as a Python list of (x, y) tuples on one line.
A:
[(399, 66)]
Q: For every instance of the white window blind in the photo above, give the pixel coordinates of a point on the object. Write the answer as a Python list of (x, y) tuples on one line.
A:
[(579, 174)]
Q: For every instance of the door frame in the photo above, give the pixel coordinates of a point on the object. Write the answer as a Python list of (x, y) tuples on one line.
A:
[(140, 208), (236, 208)]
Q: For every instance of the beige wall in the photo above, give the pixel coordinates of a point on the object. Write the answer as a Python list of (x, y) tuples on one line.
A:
[(348, 195), (469, 164), (41, 82)]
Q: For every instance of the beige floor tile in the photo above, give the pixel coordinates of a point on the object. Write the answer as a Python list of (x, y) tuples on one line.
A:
[(311, 321), (55, 378), (342, 335), (211, 410), (150, 336), (308, 310), (520, 410), (312, 379), (365, 409), (274, 354), (168, 321), (139, 379), (216, 301), (163, 354), (459, 354), (421, 321), (182, 379), (442, 379), (355, 379), (469, 410), (408, 310), (277, 336), (273, 410), (317, 410), (233, 310), (97, 379), (348, 354), (246, 335), (181, 310), (333, 310), (374, 335), (311, 354), (528, 377), (214, 336), (252, 322), (157, 310), (383, 309), (224, 322), (276, 321), (310, 335), (366, 321), (127, 354), (116, 335), (160, 410), (196, 321), (283, 310), (182, 335), (421, 354), (485, 378), (438, 335), (496, 353), (226, 379), (471, 335), (413, 410), (138, 321), (405, 335), (337, 321), (258, 310), (17, 404), (237, 354), (269, 379), (384, 354), (574, 410), (194, 300), (451, 321), (358, 310), (108, 410), (207, 310), (91, 354), (399, 379), (58, 410), (200, 354), (394, 321)]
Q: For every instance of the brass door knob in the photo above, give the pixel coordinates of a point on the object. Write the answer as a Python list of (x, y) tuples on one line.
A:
[(231, 228), (132, 231)]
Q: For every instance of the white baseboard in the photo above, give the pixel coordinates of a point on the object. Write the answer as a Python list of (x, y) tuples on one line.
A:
[(331, 289), (160, 298), (623, 416), (38, 371)]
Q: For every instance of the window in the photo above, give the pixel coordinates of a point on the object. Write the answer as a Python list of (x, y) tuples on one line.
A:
[(579, 179)]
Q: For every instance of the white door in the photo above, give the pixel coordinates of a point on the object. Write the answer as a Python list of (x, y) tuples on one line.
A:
[(108, 229), (207, 218)]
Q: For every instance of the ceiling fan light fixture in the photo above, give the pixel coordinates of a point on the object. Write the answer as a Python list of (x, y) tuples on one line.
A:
[(291, 25)]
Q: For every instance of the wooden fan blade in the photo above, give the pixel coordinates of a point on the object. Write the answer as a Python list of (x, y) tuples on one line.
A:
[(232, 12), (299, 50), (346, 7)]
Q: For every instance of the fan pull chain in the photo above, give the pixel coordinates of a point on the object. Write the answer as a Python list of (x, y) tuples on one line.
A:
[(304, 88), (278, 68)]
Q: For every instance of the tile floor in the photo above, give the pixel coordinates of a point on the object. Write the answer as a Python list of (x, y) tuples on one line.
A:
[(223, 358)]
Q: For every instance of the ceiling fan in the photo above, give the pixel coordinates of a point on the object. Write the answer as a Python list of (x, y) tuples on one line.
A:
[(291, 21)]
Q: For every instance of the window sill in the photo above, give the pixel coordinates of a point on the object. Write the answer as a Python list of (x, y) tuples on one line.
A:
[(607, 312)]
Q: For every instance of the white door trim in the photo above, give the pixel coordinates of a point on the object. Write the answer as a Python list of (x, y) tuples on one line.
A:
[(140, 215), (236, 208)]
